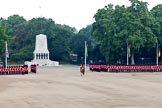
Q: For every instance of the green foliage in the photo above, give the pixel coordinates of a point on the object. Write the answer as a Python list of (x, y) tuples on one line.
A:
[(12, 23), (77, 45), (59, 44), (119, 26), (22, 33), (157, 14), (3, 39)]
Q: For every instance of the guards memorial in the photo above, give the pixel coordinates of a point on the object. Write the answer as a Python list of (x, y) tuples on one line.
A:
[(41, 53)]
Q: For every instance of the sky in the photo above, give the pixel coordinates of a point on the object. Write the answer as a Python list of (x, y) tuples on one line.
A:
[(75, 13)]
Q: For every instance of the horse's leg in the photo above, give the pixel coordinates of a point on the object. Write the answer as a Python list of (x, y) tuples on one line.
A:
[(81, 72)]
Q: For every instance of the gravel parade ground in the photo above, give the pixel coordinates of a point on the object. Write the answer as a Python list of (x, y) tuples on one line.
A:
[(63, 87)]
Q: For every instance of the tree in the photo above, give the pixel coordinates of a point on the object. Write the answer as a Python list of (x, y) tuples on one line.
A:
[(77, 44), (3, 39), (143, 35), (60, 43), (102, 31), (116, 28), (157, 14), (11, 24)]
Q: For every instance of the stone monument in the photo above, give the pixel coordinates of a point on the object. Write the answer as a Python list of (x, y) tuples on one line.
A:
[(41, 53)]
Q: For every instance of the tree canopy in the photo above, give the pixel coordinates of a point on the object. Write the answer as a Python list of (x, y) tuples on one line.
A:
[(118, 27)]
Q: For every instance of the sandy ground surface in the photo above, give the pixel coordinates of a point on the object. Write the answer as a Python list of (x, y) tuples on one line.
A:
[(63, 87)]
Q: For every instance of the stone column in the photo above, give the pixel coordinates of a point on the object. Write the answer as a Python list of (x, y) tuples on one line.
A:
[(39, 55), (34, 56), (48, 56), (44, 55)]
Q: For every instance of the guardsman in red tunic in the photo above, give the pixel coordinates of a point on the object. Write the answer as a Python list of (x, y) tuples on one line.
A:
[(0, 70), (82, 69)]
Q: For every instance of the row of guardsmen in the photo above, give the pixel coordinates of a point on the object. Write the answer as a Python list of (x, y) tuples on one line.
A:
[(152, 68), (11, 70), (114, 68)]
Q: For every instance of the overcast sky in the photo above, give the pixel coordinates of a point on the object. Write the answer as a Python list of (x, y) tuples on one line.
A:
[(75, 13)]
